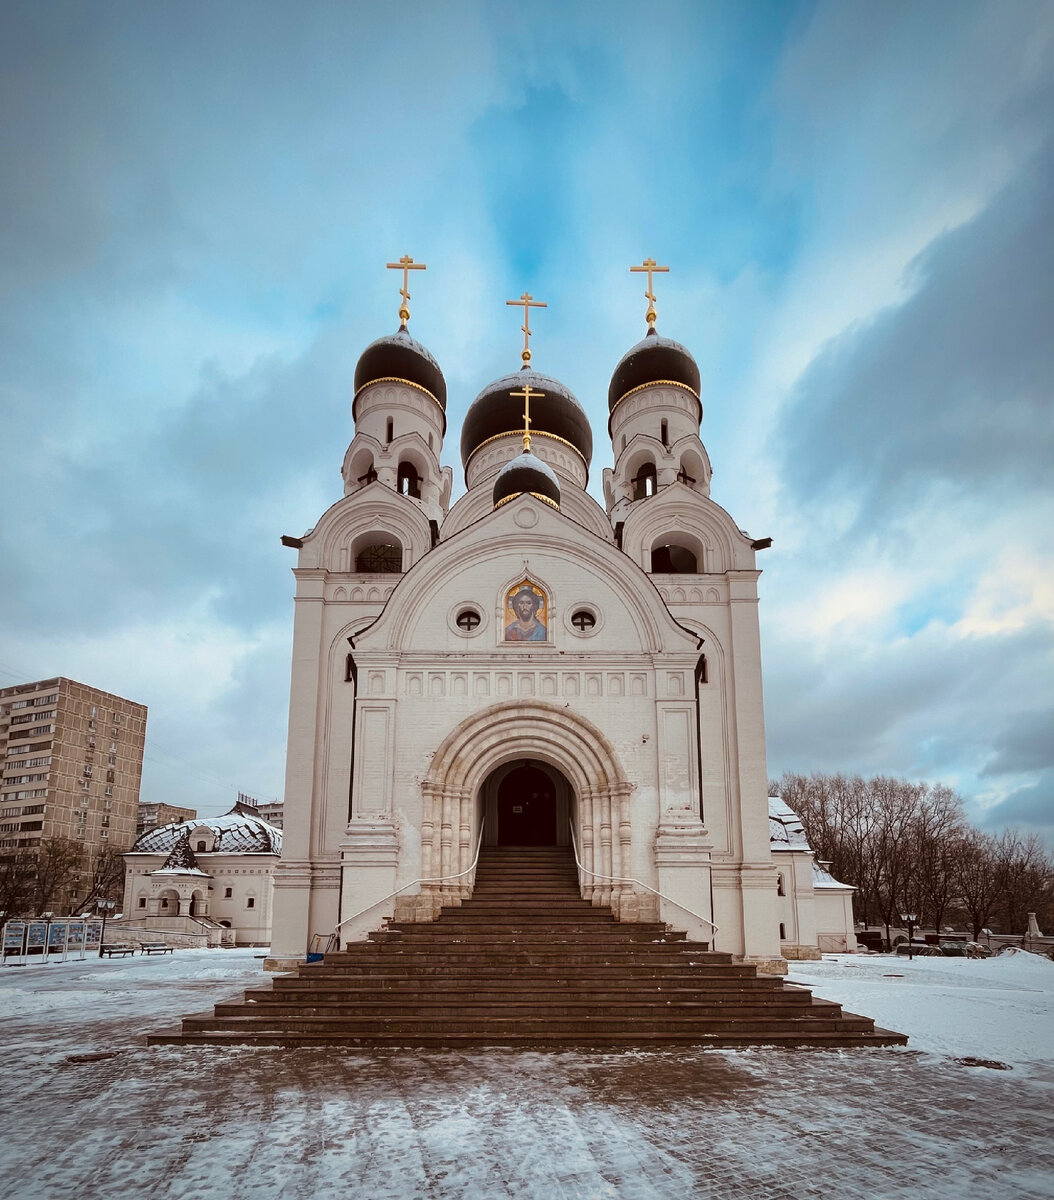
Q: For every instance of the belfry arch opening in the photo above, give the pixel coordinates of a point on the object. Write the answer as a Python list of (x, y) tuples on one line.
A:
[(526, 803)]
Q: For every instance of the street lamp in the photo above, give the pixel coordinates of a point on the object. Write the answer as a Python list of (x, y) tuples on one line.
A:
[(909, 920), (105, 907)]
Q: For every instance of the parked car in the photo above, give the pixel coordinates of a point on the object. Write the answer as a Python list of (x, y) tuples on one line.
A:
[(953, 949), (919, 949), (977, 950)]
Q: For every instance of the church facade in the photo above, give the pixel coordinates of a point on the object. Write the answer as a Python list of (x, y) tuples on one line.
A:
[(526, 666)]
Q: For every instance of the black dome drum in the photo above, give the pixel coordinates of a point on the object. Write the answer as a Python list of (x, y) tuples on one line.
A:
[(399, 356), (495, 412)]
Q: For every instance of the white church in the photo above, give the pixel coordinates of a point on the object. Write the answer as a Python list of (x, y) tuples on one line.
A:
[(529, 668)]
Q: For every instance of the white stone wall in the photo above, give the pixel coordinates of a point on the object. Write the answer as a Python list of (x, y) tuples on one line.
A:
[(387, 757)]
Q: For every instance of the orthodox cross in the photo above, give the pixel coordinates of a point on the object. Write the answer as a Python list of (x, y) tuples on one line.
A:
[(405, 264), (526, 392), (651, 268), (527, 304)]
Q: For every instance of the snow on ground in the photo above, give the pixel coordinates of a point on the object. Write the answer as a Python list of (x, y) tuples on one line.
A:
[(1001, 1008), (88, 1113)]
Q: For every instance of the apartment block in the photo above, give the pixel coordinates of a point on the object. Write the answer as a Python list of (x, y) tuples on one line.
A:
[(151, 815), (271, 811), (71, 762)]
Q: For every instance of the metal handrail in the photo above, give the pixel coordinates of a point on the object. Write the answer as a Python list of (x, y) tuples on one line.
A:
[(638, 882), (442, 879)]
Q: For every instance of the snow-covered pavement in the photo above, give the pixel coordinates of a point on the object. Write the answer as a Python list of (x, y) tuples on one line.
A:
[(997, 1008), (767, 1124)]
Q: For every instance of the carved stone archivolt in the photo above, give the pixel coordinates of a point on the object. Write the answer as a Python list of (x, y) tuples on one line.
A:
[(542, 732)]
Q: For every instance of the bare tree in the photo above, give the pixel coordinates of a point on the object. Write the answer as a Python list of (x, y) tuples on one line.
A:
[(1025, 872), (908, 847), (17, 877), (977, 878), (105, 878), (939, 825), (57, 862)]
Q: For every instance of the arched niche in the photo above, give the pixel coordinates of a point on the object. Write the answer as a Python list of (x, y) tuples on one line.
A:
[(677, 554), (408, 479), (361, 469), (692, 471), (377, 552)]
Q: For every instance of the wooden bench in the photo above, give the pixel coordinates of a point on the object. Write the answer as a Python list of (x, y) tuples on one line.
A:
[(120, 948), (155, 948)]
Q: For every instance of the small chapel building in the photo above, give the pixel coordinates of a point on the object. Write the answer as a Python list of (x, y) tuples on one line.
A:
[(203, 881), (527, 666)]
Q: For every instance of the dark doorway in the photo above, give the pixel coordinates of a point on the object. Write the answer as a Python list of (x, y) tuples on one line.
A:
[(527, 808)]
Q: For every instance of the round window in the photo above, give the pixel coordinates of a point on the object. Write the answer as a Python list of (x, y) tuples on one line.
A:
[(583, 620), (468, 620)]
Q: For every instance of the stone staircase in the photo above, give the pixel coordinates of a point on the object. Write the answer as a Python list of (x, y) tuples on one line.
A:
[(526, 962)]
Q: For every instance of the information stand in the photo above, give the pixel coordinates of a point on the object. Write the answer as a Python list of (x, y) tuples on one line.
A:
[(36, 939), (57, 934), (14, 943), (75, 938)]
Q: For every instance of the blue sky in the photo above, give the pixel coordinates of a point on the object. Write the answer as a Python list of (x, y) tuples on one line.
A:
[(855, 201)]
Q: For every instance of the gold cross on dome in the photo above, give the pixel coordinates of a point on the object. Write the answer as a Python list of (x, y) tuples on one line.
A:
[(649, 265), (527, 303), (405, 264), (526, 392)]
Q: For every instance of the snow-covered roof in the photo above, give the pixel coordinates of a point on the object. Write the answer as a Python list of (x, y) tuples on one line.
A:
[(785, 828), (822, 879), (181, 860), (235, 833)]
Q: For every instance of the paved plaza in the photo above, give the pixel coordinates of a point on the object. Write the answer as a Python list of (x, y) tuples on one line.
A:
[(89, 1113)]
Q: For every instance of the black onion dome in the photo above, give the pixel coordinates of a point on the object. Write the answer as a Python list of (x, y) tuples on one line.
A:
[(494, 411), (525, 473), (399, 356), (652, 360)]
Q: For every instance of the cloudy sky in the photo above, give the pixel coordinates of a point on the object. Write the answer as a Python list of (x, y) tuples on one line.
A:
[(857, 204)]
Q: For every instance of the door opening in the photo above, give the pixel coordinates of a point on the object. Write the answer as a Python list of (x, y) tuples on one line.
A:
[(526, 808)]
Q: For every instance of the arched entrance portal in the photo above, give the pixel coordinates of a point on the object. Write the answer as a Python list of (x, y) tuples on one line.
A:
[(469, 766), (526, 808)]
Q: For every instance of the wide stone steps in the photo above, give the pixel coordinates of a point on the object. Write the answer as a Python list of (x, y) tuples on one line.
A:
[(493, 1029), (526, 962), (611, 973), (553, 934), (370, 993), (516, 1007)]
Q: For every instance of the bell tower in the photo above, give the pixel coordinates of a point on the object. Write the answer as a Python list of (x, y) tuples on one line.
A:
[(655, 413), (399, 410)]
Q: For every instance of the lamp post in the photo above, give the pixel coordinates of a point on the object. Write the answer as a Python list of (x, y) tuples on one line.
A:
[(909, 920), (105, 907)]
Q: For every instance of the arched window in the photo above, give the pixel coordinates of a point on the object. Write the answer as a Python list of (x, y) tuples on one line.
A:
[(201, 845), (380, 558), (250, 902), (673, 560), (389, 431), (644, 482), (783, 932), (781, 889), (664, 432), (409, 482)]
